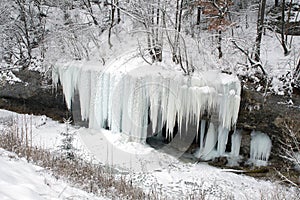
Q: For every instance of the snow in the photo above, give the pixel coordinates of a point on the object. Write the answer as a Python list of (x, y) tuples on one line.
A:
[(9, 77), (22, 180), (146, 167)]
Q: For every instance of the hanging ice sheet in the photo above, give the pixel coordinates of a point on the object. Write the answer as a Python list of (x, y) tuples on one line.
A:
[(125, 95)]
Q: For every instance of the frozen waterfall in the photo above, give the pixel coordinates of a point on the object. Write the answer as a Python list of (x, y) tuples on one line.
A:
[(128, 95), (260, 147)]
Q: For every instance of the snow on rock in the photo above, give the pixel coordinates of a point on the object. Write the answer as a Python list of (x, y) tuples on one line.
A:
[(126, 92)]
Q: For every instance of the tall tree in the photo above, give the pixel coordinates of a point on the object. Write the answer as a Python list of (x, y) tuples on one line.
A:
[(259, 29), (282, 32), (88, 5)]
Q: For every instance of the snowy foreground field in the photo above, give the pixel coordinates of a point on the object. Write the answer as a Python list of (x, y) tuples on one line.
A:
[(22, 180), (148, 168)]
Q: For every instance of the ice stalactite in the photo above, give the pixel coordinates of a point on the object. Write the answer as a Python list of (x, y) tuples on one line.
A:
[(236, 139), (211, 140), (260, 147), (222, 140), (127, 95), (202, 132)]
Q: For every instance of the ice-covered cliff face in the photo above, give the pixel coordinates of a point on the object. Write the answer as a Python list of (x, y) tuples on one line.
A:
[(128, 95)]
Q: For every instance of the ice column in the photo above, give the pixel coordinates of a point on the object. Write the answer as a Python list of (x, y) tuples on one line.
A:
[(236, 139), (260, 147)]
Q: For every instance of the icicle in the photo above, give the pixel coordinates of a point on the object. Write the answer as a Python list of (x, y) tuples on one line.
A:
[(93, 115), (260, 147), (236, 139), (119, 97), (222, 139), (55, 77), (210, 143), (202, 132), (84, 90)]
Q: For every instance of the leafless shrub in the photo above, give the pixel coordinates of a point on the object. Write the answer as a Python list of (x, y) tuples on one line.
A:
[(290, 146)]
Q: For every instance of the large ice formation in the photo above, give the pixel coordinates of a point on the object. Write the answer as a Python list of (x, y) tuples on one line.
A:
[(128, 95)]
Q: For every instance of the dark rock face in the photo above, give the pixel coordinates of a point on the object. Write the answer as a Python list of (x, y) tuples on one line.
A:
[(270, 114), (33, 95)]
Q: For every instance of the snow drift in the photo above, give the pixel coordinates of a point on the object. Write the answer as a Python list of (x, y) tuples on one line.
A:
[(127, 95)]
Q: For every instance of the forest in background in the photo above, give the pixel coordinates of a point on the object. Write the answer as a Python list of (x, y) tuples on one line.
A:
[(194, 35)]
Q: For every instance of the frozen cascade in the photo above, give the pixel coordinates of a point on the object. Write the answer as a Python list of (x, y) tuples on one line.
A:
[(260, 147), (211, 140), (236, 139), (128, 93), (222, 139)]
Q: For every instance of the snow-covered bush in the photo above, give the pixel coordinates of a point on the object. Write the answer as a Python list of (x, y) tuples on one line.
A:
[(67, 147)]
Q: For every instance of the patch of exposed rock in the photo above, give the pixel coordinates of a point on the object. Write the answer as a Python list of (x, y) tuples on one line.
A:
[(32, 95)]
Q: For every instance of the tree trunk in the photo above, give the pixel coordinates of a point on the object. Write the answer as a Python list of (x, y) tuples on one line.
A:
[(174, 56), (297, 71), (283, 41), (198, 16), (276, 3), (24, 32), (111, 22), (157, 20), (220, 44), (177, 57), (90, 10), (260, 25), (118, 12)]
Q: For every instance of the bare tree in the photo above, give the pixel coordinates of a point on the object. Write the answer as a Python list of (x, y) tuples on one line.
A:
[(88, 5), (23, 30), (290, 145), (176, 57), (218, 10), (260, 26), (283, 29), (114, 6)]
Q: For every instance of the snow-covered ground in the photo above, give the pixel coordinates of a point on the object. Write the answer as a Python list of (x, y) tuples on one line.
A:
[(148, 168), (22, 180)]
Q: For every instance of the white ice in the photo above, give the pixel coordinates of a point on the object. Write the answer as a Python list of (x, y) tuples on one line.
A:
[(125, 92), (236, 139), (260, 147)]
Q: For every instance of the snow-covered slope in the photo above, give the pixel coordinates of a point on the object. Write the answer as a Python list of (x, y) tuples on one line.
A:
[(148, 168), (22, 180)]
